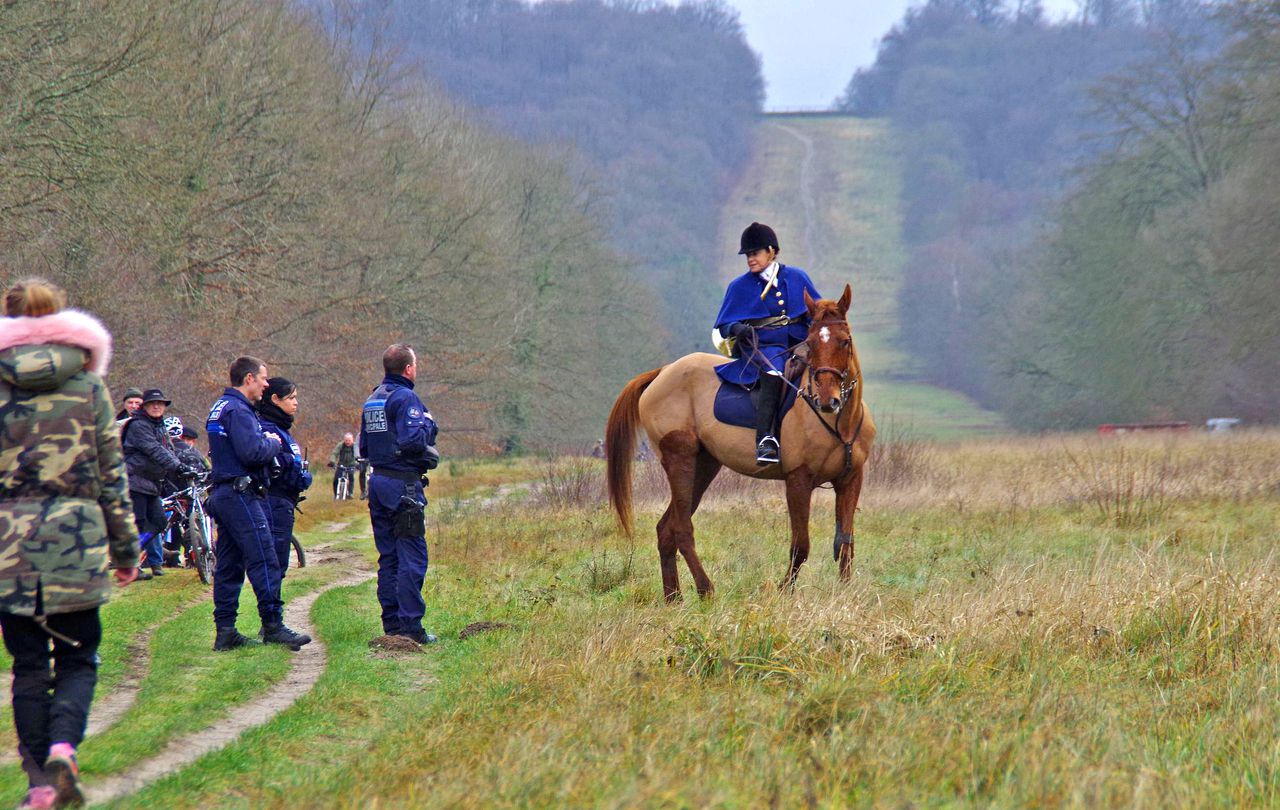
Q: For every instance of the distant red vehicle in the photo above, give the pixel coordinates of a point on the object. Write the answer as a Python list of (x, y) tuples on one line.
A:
[(1143, 427)]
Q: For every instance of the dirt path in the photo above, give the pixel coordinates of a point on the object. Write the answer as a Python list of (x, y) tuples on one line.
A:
[(306, 667), (109, 707), (806, 193)]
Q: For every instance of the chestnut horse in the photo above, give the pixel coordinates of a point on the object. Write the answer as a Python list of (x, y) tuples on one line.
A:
[(826, 437)]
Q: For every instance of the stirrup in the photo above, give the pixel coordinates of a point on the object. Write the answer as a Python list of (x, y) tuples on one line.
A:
[(767, 451)]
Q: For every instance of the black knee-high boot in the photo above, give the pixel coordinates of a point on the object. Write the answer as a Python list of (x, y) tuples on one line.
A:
[(766, 397)]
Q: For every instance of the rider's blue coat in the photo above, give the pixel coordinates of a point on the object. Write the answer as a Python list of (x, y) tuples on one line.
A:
[(742, 302)]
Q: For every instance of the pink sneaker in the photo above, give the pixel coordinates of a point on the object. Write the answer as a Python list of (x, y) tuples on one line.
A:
[(39, 798), (61, 767)]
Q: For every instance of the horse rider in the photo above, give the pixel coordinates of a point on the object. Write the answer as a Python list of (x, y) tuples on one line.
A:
[(397, 435), (242, 452), (762, 316)]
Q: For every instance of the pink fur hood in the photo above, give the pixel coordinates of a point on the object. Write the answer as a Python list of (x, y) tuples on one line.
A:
[(70, 327)]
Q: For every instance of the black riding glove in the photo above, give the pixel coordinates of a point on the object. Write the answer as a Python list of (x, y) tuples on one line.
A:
[(745, 335)]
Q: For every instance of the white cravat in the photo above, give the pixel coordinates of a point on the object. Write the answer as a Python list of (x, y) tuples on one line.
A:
[(770, 275)]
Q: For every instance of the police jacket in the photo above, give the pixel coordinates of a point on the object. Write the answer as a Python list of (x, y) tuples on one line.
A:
[(149, 454), (237, 444), (64, 501), (397, 432), (292, 478)]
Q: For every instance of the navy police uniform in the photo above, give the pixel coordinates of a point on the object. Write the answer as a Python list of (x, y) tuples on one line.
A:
[(287, 484), (241, 456), (743, 304), (397, 435)]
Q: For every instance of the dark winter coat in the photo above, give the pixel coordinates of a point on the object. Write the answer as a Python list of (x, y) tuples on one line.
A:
[(149, 454)]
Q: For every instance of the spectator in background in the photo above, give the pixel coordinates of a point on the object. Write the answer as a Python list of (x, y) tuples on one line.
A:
[(129, 404), (343, 455), (64, 509), (151, 458)]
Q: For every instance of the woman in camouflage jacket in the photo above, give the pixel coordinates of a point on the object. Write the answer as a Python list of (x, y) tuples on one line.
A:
[(64, 508)]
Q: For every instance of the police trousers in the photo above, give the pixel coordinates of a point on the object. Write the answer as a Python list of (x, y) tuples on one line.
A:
[(402, 552), (52, 688), (280, 514), (245, 547)]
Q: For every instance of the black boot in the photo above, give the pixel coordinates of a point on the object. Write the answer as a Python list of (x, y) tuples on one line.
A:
[(229, 638), (279, 634), (421, 636), (766, 397)]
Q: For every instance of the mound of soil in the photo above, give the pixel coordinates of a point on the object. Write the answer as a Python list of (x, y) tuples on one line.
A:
[(395, 644), (476, 628)]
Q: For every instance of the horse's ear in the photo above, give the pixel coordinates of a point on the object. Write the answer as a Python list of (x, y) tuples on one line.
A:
[(843, 303), (809, 305)]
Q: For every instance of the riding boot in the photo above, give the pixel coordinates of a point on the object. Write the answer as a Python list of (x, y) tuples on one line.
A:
[(766, 397)]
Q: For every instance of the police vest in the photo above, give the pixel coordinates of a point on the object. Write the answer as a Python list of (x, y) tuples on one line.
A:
[(379, 436)]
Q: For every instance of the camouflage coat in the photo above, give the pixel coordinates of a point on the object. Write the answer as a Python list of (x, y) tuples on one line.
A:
[(64, 501)]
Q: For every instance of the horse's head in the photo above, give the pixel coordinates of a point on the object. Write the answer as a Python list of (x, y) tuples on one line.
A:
[(833, 362)]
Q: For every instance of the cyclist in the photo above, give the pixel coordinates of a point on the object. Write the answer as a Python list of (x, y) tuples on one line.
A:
[(343, 461), (150, 458), (277, 410), (178, 433)]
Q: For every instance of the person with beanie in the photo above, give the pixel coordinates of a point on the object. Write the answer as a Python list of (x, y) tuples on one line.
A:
[(762, 317), (290, 477), (64, 511), (129, 404)]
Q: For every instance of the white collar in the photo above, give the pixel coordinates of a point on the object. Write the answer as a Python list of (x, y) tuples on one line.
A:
[(770, 276)]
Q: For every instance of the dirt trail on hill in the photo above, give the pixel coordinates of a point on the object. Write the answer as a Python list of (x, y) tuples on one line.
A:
[(307, 665), (807, 199)]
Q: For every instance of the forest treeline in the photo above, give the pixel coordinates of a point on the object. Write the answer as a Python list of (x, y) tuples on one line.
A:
[(230, 176), (1090, 204), (659, 100)]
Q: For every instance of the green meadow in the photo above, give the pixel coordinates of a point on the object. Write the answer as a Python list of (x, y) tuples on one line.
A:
[(1055, 621)]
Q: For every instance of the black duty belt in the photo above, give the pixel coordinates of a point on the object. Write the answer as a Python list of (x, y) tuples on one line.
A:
[(773, 322), (399, 475)]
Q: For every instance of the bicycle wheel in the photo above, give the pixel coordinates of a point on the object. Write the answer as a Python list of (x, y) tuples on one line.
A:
[(343, 484), (201, 537), (302, 555)]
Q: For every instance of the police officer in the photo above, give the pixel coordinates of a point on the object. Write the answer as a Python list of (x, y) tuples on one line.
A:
[(242, 454), (397, 435), (290, 476)]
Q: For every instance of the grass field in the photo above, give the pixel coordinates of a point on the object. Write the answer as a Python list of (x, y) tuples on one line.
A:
[(1051, 621), (840, 221)]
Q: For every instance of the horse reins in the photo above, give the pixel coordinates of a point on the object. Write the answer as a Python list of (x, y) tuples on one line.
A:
[(847, 385)]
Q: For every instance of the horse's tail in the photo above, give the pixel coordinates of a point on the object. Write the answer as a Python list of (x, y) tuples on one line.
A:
[(620, 445)]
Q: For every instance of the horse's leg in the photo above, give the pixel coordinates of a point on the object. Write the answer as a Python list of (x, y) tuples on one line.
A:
[(799, 501), (705, 469), (667, 547), (848, 490), (680, 451)]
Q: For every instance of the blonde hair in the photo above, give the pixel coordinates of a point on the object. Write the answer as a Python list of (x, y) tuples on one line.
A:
[(34, 297)]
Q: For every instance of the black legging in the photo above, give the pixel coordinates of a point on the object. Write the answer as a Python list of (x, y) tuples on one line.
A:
[(51, 705)]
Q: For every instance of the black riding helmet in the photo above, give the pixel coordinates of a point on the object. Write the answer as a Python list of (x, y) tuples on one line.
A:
[(757, 237)]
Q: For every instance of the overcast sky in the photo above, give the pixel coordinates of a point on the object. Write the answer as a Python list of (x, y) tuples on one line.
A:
[(810, 48)]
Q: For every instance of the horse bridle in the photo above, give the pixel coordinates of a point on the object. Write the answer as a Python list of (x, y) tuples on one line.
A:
[(847, 384)]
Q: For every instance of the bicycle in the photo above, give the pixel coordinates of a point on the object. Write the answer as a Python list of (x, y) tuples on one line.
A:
[(297, 549), (345, 475), (187, 507)]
